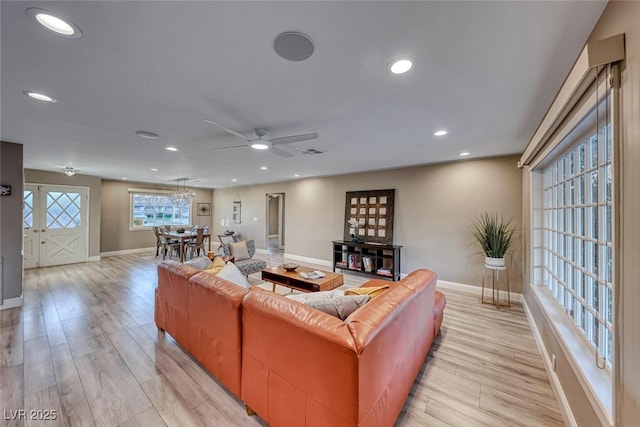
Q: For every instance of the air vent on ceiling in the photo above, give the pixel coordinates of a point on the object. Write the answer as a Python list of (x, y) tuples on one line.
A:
[(313, 151)]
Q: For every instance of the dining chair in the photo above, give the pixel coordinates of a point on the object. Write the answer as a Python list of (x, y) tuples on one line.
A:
[(197, 244), (156, 231), (169, 245)]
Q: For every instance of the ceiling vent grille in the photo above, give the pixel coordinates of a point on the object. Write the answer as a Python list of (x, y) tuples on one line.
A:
[(313, 151)]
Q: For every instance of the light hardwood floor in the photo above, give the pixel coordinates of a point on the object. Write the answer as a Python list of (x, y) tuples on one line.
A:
[(84, 344)]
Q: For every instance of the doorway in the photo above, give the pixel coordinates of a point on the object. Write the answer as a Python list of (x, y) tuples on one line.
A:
[(55, 224), (275, 222)]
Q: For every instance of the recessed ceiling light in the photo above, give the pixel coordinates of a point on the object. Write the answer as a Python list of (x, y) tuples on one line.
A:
[(264, 168), (154, 169), (54, 24), (39, 96), (401, 66), (124, 178), (464, 153), (234, 180), (147, 135), (296, 176), (171, 149), (440, 132)]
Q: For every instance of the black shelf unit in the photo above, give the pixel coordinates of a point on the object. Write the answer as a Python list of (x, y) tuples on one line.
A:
[(381, 261)]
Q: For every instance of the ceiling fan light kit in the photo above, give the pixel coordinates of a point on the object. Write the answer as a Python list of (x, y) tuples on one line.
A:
[(261, 143)]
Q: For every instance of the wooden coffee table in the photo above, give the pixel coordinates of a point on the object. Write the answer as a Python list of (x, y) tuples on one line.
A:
[(280, 276)]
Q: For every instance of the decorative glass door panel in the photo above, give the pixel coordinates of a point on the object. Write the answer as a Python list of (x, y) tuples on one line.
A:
[(60, 225)]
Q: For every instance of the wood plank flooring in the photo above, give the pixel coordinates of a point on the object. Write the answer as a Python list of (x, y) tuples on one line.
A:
[(85, 345)]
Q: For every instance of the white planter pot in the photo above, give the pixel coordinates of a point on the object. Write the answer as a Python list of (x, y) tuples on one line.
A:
[(494, 262)]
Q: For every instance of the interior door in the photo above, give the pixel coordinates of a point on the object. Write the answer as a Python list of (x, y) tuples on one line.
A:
[(56, 232)]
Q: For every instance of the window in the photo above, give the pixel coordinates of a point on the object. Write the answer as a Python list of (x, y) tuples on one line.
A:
[(578, 238), (156, 208)]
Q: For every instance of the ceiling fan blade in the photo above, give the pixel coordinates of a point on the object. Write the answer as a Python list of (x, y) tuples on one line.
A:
[(280, 152), (293, 138), (229, 148), (232, 132)]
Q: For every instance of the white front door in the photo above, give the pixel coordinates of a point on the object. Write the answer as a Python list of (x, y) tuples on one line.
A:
[(55, 225)]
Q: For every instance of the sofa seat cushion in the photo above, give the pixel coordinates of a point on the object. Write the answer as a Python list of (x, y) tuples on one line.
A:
[(340, 307)]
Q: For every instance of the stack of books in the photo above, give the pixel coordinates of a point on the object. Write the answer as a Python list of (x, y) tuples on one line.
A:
[(341, 264)]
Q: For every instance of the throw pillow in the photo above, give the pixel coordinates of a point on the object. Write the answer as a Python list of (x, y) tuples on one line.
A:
[(340, 307), (200, 262), (315, 296), (373, 291), (216, 266), (231, 273), (239, 250)]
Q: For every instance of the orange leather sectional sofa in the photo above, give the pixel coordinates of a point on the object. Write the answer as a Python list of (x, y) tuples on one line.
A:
[(295, 365)]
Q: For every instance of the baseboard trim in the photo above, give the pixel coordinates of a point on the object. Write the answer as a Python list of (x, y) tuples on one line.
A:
[(567, 413), (309, 260), (262, 251), (11, 303), (476, 290), (94, 258), (127, 251)]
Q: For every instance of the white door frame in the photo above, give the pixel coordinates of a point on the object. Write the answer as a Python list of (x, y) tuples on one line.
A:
[(280, 197), (40, 217)]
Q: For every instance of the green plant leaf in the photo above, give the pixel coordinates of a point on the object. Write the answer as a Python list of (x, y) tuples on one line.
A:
[(494, 234)]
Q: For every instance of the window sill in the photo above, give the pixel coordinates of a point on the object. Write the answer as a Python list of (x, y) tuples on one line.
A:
[(596, 383)]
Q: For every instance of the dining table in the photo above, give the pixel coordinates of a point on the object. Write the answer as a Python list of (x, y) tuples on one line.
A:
[(185, 237)]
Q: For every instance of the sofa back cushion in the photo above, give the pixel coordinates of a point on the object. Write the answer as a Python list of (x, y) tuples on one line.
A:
[(214, 327)]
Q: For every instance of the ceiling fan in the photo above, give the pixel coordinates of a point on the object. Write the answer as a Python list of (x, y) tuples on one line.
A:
[(261, 143)]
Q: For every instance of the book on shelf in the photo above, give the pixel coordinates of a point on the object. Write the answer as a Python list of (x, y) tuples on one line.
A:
[(351, 260), (341, 264), (384, 272), (367, 263)]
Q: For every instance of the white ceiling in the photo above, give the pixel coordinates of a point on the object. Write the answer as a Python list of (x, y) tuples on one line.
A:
[(485, 71)]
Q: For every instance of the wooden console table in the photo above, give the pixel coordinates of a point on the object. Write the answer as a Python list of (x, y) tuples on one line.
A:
[(379, 260)]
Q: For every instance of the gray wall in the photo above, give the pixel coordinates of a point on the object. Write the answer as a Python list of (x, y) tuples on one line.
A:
[(33, 176), (434, 208), (115, 215), (11, 220), (618, 17)]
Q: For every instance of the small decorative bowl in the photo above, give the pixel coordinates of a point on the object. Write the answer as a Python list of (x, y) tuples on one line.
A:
[(290, 267)]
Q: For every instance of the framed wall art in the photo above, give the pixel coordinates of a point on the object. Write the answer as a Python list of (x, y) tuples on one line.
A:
[(204, 209), (369, 216)]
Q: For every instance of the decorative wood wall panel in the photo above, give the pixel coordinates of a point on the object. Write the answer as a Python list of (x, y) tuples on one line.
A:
[(373, 210)]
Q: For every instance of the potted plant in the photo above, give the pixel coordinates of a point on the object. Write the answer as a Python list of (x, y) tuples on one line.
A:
[(495, 235)]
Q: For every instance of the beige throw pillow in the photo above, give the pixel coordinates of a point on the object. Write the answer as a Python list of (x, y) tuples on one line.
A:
[(239, 250), (340, 307)]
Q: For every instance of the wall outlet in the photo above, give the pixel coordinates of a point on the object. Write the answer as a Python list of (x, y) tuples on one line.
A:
[(553, 362)]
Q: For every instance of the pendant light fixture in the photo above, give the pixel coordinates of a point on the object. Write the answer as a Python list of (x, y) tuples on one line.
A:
[(182, 196)]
